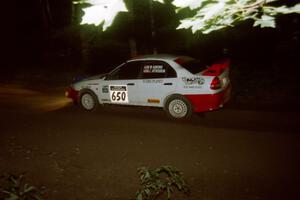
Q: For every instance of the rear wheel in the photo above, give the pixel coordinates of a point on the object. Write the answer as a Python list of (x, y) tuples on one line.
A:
[(178, 107), (88, 101)]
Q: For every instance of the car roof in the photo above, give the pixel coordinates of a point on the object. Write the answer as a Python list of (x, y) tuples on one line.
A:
[(155, 57), (165, 57)]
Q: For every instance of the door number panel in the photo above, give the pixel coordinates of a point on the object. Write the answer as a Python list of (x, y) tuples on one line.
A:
[(118, 93)]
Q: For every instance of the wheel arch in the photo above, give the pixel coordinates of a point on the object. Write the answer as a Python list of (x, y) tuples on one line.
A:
[(173, 95), (88, 90)]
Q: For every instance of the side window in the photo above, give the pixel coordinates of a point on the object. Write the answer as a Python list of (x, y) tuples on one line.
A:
[(157, 69), (171, 73), (130, 70)]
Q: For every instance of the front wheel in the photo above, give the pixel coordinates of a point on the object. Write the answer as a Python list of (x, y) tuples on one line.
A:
[(88, 101), (178, 107)]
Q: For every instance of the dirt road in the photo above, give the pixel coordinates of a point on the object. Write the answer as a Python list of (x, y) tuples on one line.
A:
[(70, 154)]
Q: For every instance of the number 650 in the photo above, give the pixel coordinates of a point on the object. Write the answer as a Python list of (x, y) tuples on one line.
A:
[(118, 96)]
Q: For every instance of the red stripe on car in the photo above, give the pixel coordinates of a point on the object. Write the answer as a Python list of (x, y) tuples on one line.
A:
[(209, 102)]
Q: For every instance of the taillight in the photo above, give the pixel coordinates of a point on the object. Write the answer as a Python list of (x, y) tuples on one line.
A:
[(215, 83)]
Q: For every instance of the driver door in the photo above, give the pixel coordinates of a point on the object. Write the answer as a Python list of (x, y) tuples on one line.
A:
[(121, 85)]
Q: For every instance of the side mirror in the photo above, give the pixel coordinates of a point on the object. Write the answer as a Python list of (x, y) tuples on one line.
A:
[(78, 78)]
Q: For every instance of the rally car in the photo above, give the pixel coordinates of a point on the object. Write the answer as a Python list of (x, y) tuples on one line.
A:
[(180, 85)]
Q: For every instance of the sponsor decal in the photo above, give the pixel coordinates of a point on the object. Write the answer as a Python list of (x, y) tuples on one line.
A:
[(193, 81), (153, 100), (192, 86), (154, 69), (105, 89), (118, 93), (153, 81)]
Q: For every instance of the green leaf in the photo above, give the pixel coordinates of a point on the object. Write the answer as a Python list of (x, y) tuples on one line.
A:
[(139, 196), (37, 197), (12, 197), (265, 21), (15, 181), (5, 191), (281, 9), (102, 12), (147, 191), (147, 175), (193, 4), (160, 1), (296, 8), (168, 192), (161, 179), (28, 189)]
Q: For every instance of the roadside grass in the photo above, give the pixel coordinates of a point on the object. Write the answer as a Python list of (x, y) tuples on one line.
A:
[(154, 183), (16, 188)]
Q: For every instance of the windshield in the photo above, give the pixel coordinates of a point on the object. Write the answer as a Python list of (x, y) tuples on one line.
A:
[(192, 65)]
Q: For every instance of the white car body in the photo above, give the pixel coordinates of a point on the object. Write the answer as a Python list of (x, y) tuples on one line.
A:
[(151, 80)]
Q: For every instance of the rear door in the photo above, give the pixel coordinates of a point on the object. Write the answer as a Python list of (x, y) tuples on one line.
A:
[(158, 81)]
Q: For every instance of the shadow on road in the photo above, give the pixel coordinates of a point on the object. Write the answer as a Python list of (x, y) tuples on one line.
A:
[(281, 122)]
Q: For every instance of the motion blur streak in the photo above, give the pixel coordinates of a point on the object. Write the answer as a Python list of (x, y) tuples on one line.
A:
[(30, 99)]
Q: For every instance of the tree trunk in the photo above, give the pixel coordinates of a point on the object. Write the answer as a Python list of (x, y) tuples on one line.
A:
[(153, 31), (132, 41), (132, 47), (46, 14)]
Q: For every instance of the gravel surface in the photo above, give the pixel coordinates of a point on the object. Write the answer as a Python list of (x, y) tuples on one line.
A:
[(71, 154)]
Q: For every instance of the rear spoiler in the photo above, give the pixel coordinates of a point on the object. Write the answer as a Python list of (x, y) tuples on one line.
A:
[(217, 68)]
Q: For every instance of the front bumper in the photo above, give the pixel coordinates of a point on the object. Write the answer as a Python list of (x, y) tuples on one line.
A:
[(72, 94)]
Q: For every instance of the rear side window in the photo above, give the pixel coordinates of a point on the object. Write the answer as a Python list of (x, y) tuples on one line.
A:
[(157, 69), (192, 65)]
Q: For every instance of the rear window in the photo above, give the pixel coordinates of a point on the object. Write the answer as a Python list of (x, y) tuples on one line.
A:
[(192, 65)]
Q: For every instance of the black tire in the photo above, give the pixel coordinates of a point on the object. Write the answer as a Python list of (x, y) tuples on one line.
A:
[(178, 107), (88, 100)]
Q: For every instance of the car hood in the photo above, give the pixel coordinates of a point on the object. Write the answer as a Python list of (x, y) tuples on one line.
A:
[(96, 77), (81, 78)]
